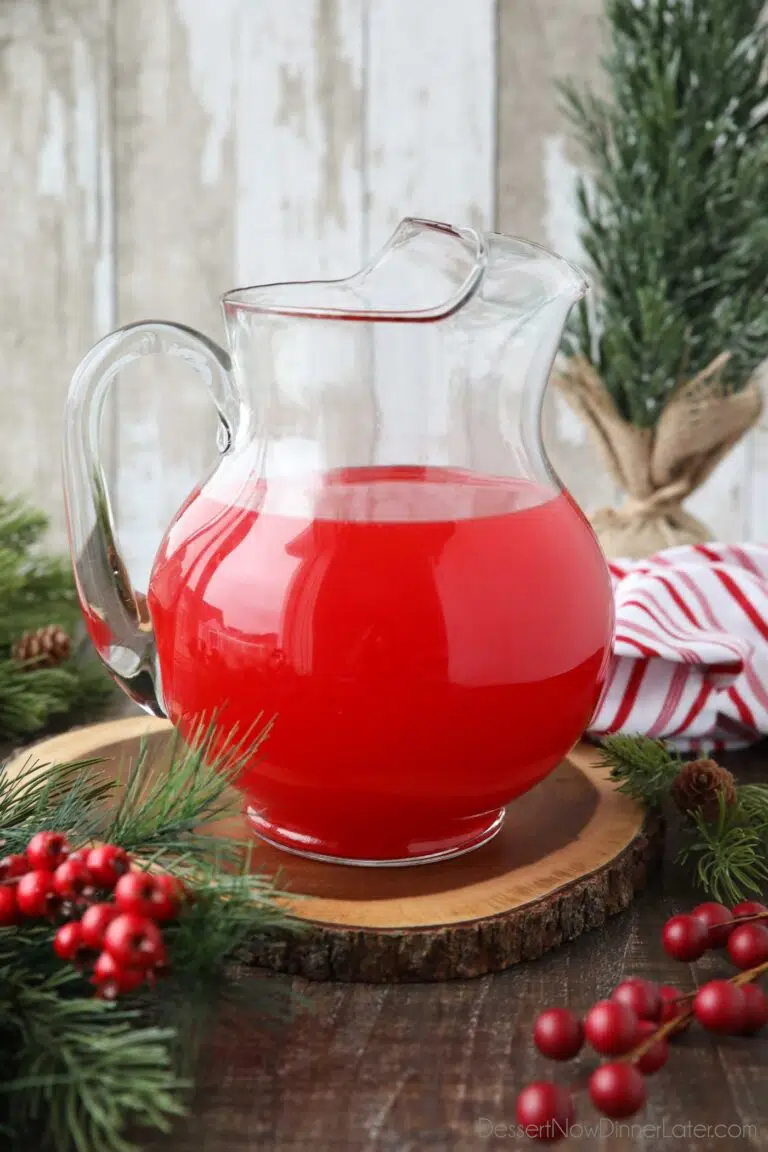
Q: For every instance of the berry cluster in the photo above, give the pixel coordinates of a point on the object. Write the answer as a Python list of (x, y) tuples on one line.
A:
[(108, 913), (634, 1026)]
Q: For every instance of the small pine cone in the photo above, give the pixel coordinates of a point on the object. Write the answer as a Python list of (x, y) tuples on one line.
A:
[(698, 786), (44, 648)]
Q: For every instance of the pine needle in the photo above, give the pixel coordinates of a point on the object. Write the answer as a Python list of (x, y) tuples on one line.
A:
[(54, 796), (644, 767), (86, 1071), (161, 813), (752, 800), (729, 857)]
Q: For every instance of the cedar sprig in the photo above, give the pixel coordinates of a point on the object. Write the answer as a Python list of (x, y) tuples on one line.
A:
[(728, 854)]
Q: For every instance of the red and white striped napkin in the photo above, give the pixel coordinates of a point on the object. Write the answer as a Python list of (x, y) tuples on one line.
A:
[(690, 653)]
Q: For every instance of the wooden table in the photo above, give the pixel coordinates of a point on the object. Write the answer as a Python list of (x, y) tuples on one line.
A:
[(436, 1068)]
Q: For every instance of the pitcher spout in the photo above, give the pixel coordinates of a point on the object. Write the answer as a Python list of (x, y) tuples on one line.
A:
[(535, 289), (531, 292), (424, 272)]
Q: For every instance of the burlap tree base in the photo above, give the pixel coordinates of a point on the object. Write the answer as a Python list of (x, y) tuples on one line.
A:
[(659, 467)]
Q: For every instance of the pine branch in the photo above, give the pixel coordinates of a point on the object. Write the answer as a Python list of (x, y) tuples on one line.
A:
[(644, 767), (752, 806), (78, 1073), (729, 855), (83, 1069), (37, 590), (61, 796), (21, 528), (160, 813), (31, 699)]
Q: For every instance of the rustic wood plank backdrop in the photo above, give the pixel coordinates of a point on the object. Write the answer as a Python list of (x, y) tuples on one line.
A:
[(158, 152)]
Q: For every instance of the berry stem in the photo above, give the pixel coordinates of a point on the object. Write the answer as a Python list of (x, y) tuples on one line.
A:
[(670, 1026), (663, 1030), (750, 974), (749, 919)]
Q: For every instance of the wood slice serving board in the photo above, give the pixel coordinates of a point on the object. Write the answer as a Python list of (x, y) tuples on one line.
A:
[(571, 852)]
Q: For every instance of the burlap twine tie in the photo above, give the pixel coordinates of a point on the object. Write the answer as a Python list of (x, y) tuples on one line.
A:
[(659, 467)]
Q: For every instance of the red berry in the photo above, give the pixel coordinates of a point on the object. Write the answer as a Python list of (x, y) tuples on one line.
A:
[(545, 1110), (656, 1056), (617, 1090), (9, 909), (134, 941), (748, 945), (642, 996), (558, 1034), (107, 863), (68, 941), (756, 1009), (112, 978), (611, 1028), (80, 855), (720, 1006), (748, 908), (175, 894), (672, 1005), (46, 850), (36, 894), (685, 938), (94, 923), (144, 894), (13, 866), (72, 880), (718, 921)]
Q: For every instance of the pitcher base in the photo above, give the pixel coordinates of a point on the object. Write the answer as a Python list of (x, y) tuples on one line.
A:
[(415, 851)]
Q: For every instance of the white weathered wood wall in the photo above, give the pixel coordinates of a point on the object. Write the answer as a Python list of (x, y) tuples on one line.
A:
[(157, 152)]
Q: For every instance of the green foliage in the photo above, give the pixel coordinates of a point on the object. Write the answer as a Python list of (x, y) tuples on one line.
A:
[(729, 855), (645, 768), (159, 810), (67, 796), (36, 590), (75, 1071), (752, 806), (673, 213), (79, 1073)]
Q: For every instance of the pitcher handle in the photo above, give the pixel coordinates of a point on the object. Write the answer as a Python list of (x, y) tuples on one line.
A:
[(116, 614)]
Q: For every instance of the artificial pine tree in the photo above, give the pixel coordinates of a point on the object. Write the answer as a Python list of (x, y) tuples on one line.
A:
[(661, 362), (41, 679)]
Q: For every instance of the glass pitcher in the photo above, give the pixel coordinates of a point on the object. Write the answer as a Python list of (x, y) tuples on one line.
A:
[(382, 559)]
